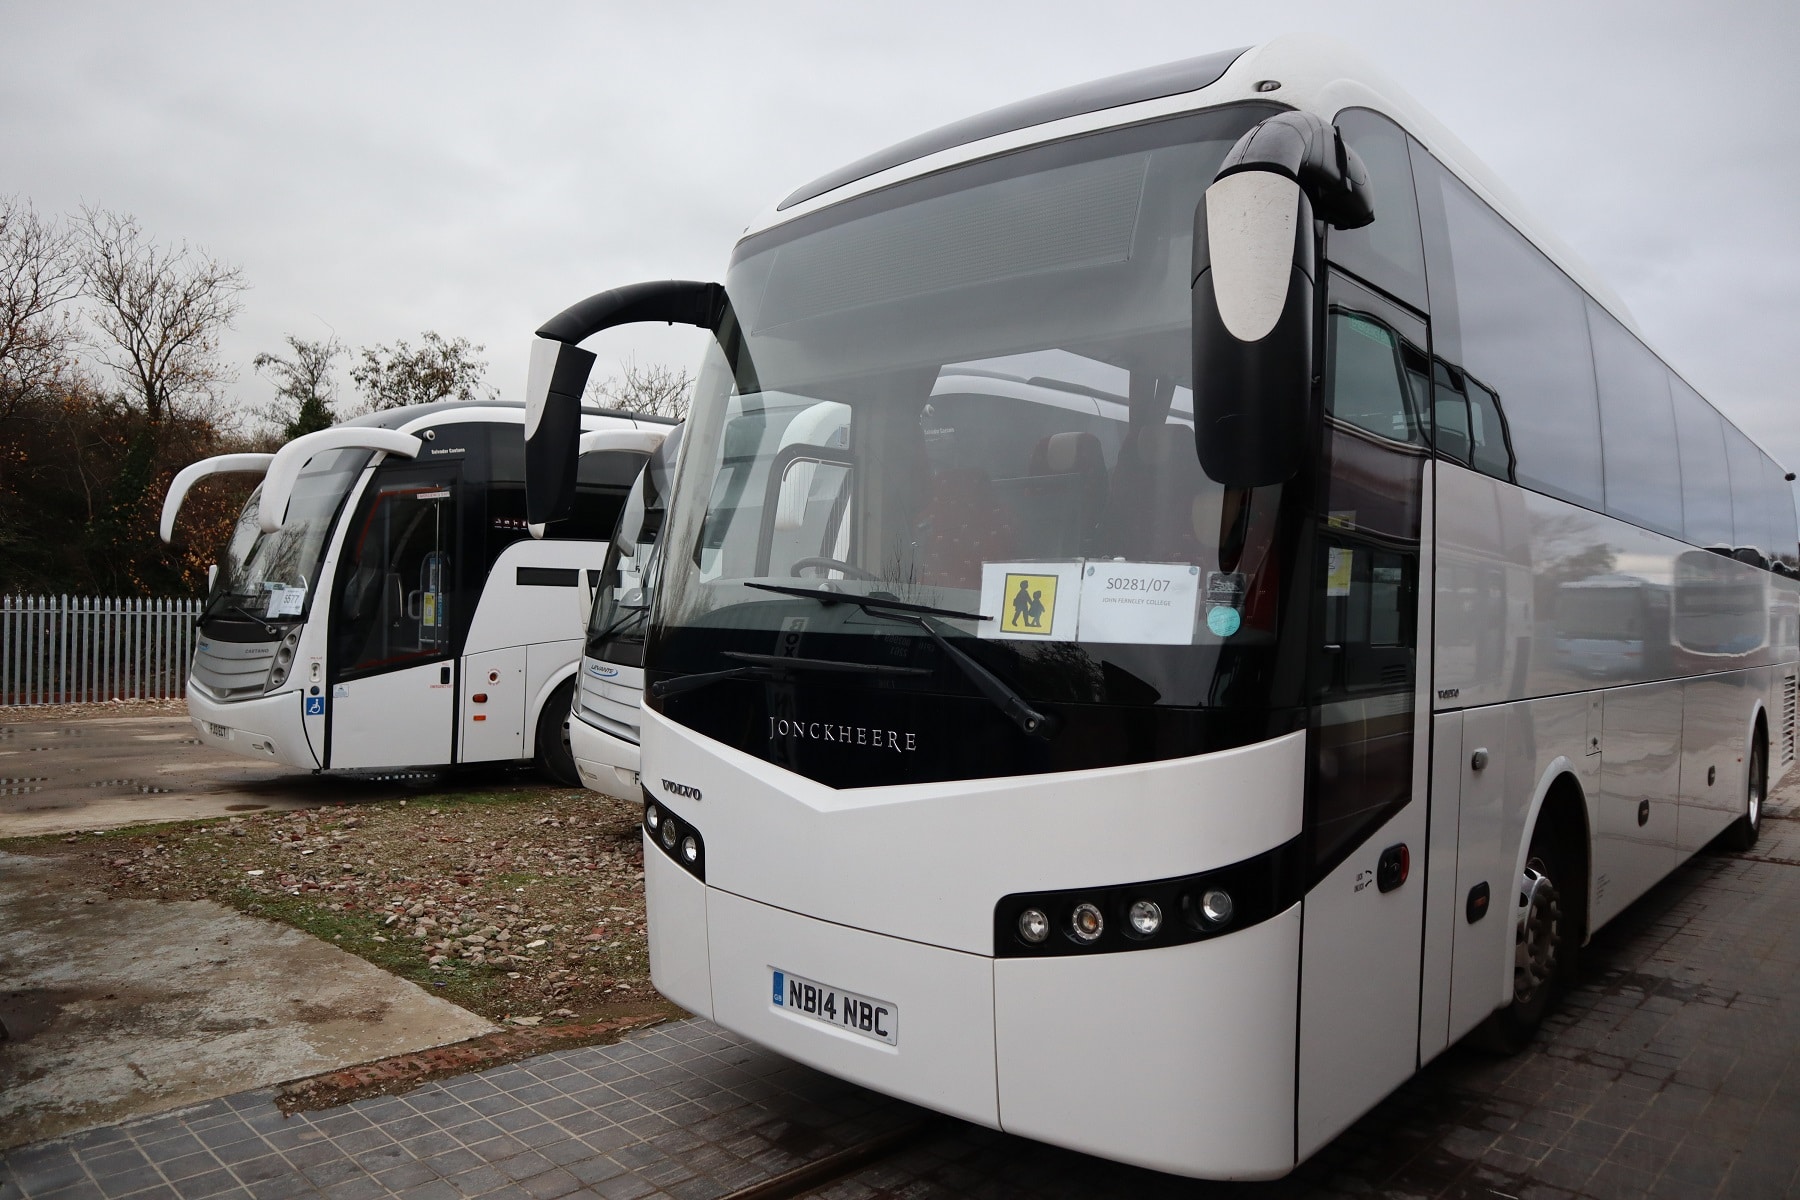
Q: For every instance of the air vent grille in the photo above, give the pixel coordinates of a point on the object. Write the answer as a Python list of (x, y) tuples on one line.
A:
[(1789, 686)]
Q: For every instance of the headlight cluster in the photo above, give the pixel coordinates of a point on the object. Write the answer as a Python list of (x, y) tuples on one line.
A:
[(675, 837), (284, 659), (1162, 912)]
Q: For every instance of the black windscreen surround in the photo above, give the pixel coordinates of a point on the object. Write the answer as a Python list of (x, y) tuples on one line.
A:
[(1523, 327), (1637, 427), (1151, 83)]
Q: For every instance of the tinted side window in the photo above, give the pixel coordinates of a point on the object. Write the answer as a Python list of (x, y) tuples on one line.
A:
[(1369, 385), (1784, 532), (1637, 428), (1386, 252), (1749, 500), (1705, 480), (1523, 329)]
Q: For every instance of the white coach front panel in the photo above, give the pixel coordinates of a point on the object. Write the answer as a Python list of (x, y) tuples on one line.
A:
[(943, 1056), (1179, 1059)]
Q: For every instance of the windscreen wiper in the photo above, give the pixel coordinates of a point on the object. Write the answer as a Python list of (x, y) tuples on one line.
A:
[(863, 602), (1015, 707), (212, 610), (760, 666)]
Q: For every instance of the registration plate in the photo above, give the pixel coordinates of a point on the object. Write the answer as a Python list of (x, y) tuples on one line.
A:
[(220, 731), (877, 1020)]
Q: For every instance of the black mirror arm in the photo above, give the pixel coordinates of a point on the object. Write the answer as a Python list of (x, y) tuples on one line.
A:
[(1304, 148)]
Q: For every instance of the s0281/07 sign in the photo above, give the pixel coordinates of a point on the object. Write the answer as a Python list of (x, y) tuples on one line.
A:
[(1147, 603)]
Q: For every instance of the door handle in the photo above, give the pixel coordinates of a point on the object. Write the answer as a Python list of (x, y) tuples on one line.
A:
[(443, 674)]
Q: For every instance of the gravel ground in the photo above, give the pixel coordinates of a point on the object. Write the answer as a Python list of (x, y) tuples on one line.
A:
[(524, 904)]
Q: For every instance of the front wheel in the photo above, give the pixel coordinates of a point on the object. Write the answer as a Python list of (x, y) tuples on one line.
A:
[(555, 760), (1546, 939), (1746, 829)]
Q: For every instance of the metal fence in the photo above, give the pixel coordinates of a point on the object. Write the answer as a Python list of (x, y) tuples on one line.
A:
[(79, 649)]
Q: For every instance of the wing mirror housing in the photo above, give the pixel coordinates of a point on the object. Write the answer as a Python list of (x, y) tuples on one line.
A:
[(559, 373), (1257, 237)]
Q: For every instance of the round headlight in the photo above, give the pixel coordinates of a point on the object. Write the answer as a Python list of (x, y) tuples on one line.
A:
[(690, 849), (1086, 923), (1034, 926), (668, 835), (652, 816), (1145, 917), (1216, 906)]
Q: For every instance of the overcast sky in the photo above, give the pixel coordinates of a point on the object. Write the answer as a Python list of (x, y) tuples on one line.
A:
[(380, 170)]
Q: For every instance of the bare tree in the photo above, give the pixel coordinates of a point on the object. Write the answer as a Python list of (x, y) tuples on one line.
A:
[(657, 390), (37, 279), (437, 370), (158, 311), (305, 386)]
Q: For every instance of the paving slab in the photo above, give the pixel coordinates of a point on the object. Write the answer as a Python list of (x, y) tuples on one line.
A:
[(121, 1007), (1673, 1070)]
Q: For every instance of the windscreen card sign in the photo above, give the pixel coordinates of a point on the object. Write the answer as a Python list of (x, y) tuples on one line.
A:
[(1148, 603), (285, 601), (1038, 601)]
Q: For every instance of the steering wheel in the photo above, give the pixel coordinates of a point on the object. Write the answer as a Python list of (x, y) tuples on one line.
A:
[(850, 570)]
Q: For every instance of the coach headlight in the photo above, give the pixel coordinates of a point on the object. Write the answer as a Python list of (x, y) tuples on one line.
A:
[(1086, 924), (674, 837), (284, 660), (1145, 918), (1034, 926)]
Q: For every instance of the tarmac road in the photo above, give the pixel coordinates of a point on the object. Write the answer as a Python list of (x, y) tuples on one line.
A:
[(69, 774)]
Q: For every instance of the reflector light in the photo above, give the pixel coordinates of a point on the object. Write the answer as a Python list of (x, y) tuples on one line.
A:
[(1086, 922)]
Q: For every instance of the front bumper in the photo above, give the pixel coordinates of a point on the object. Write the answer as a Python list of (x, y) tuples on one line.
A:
[(268, 728), (605, 763)]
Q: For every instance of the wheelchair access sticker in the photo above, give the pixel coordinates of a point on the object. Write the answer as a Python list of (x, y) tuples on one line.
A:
[(315, 706)]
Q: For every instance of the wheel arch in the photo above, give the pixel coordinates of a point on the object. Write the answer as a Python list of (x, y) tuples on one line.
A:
[(1559, 797), (545, 690)]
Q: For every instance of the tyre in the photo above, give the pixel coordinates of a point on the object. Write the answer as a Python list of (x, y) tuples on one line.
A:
[(554, 759), (1547, 938), (1746, 829)]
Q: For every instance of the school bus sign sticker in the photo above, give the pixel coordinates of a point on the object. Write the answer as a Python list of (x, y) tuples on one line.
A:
[(1030, 600), (1029, 604)]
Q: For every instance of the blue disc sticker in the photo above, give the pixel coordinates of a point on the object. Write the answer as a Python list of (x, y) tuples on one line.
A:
[(1223, 620)]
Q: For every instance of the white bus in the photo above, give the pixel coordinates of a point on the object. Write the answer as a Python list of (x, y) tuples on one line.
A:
[(381, 602), (1183, 827), (603, 728)]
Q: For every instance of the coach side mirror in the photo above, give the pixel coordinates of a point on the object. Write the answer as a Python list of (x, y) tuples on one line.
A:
[(1254, 281), (557, 377), (559, 373), (212, 576)]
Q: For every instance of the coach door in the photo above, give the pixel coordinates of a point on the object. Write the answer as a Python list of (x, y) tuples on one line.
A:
[(394, 623)]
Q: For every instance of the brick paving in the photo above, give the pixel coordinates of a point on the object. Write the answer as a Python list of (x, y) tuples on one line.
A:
[(1672, 1071)]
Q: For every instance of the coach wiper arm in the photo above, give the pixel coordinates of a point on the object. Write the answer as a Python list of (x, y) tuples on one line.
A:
[(866, 602), (759, 666), (1012, 705)]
